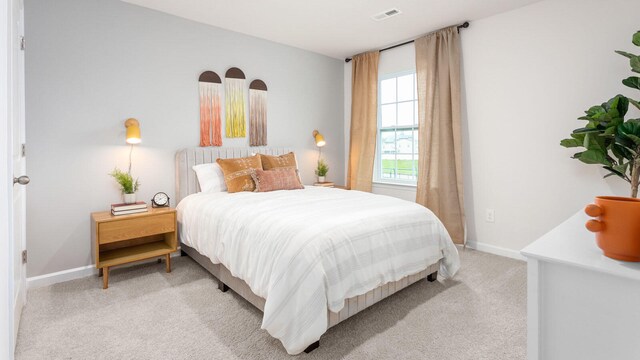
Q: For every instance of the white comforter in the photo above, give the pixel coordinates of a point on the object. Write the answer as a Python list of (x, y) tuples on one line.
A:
[(306, 251)]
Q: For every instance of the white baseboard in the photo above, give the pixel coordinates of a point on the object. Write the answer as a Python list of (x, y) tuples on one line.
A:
[(61, 276), (496, 250), (73, 274)]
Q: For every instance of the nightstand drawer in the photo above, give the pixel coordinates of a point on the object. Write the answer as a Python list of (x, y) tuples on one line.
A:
[(135, 228)]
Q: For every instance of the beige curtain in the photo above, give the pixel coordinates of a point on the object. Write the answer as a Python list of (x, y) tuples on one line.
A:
[(364, 121), (440, 186)]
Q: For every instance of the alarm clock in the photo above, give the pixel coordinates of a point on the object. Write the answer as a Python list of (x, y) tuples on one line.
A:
[(160, 200)]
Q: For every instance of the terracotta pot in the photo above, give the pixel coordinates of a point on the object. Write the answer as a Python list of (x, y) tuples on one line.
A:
[(617, 226)]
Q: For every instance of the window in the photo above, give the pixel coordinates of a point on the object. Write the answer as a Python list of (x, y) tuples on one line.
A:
[(397, 145)]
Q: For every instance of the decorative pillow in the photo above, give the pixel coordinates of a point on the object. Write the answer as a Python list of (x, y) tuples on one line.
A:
[(210, 177), (277, 179), (237, 172), (286, 161)]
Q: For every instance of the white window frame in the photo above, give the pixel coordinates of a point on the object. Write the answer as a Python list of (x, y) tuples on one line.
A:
[(377, 178)]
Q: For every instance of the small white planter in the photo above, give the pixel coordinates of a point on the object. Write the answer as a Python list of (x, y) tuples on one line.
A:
[(321, 179), (129, 198)]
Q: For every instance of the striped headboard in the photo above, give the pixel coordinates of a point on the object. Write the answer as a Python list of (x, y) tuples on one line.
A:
[(186, 181)]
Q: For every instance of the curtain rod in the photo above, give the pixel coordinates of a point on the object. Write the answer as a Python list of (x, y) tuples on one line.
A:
[(464, 25)]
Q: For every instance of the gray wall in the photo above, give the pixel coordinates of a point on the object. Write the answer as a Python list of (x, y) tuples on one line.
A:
[(90, 64)]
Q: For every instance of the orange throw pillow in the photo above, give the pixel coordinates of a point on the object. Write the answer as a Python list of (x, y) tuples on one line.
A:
[(270, 162), (277, 179), (237, 172), (286, 161)]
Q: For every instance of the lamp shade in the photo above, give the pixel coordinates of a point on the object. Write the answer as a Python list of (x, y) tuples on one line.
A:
[(133, 131), (319, 139)]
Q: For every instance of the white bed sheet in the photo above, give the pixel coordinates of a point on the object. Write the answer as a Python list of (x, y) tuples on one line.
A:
[(306, 251)]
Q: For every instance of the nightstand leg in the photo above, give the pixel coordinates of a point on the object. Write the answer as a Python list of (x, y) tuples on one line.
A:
[(100, 272), (168, 262), (105, 278)]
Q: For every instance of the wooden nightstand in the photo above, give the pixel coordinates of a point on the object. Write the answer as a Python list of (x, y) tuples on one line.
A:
[(127, 238)]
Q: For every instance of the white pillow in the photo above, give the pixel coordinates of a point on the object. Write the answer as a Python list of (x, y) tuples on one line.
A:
[(210, 177)]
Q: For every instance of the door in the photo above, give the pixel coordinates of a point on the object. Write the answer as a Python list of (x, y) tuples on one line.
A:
[(19, 164), (6, 272), (12, 216)]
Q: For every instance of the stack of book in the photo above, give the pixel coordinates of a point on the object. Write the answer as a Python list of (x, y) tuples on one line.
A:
[(324, 184), (124, 209)]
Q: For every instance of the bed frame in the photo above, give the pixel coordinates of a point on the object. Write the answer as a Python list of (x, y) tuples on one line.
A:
[(186, 184)]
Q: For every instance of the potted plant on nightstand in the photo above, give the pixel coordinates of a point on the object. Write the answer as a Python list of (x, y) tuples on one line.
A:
[(614, 143), (321, 170), (127, 185)]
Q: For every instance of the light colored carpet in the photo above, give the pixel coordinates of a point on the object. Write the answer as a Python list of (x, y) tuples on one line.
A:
[(149, 314)]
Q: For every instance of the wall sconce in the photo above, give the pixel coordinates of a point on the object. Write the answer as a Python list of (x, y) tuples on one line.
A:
[(133, 131), (319, 138), (133, 135)]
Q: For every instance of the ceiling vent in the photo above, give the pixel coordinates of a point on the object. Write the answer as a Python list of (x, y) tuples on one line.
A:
[(386, 14)]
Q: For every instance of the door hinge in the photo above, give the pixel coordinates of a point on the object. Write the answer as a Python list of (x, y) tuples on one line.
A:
[(24, 256), (23, 150), (23, 43)]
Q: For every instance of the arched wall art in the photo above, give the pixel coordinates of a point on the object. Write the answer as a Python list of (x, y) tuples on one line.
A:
[(210, 86), (257, 113), (235, 124)]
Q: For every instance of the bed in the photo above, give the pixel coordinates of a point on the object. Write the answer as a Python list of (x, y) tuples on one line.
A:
[(309, 259)]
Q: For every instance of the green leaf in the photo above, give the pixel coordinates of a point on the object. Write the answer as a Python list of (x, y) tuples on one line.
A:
[(636, 39), (635, 64), (585, 130), (614, 171), (623, 140), (621, 152), (630, 127), (569, 143), (611, 130), (595, 112), (594, 157), (617, 106), (634, 138), (635, 103), (632, 82), (594, 142), (622, 168), (626, 54)]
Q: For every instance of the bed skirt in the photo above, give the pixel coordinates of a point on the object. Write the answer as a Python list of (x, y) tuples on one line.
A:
[(352, 305)]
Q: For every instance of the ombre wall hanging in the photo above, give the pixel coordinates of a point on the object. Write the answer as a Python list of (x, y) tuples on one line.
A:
[(235, 124), (257, 113), (210, 86)]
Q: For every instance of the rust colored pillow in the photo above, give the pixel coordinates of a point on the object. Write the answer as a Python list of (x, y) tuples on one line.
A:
[(277, 179), (237, 172), (286, 161)]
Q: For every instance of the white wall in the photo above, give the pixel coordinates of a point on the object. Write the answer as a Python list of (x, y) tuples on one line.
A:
[(527, 75), (90, 64)]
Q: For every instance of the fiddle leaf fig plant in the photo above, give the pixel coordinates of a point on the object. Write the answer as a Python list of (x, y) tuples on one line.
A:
[(608, 139)]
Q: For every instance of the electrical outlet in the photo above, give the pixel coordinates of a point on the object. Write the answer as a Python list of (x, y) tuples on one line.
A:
[(490, 216)]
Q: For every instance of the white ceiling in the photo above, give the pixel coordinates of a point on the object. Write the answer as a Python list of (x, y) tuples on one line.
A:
[(336, 28)]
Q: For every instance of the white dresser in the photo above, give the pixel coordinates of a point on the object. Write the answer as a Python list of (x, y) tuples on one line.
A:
[(580, 304)]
